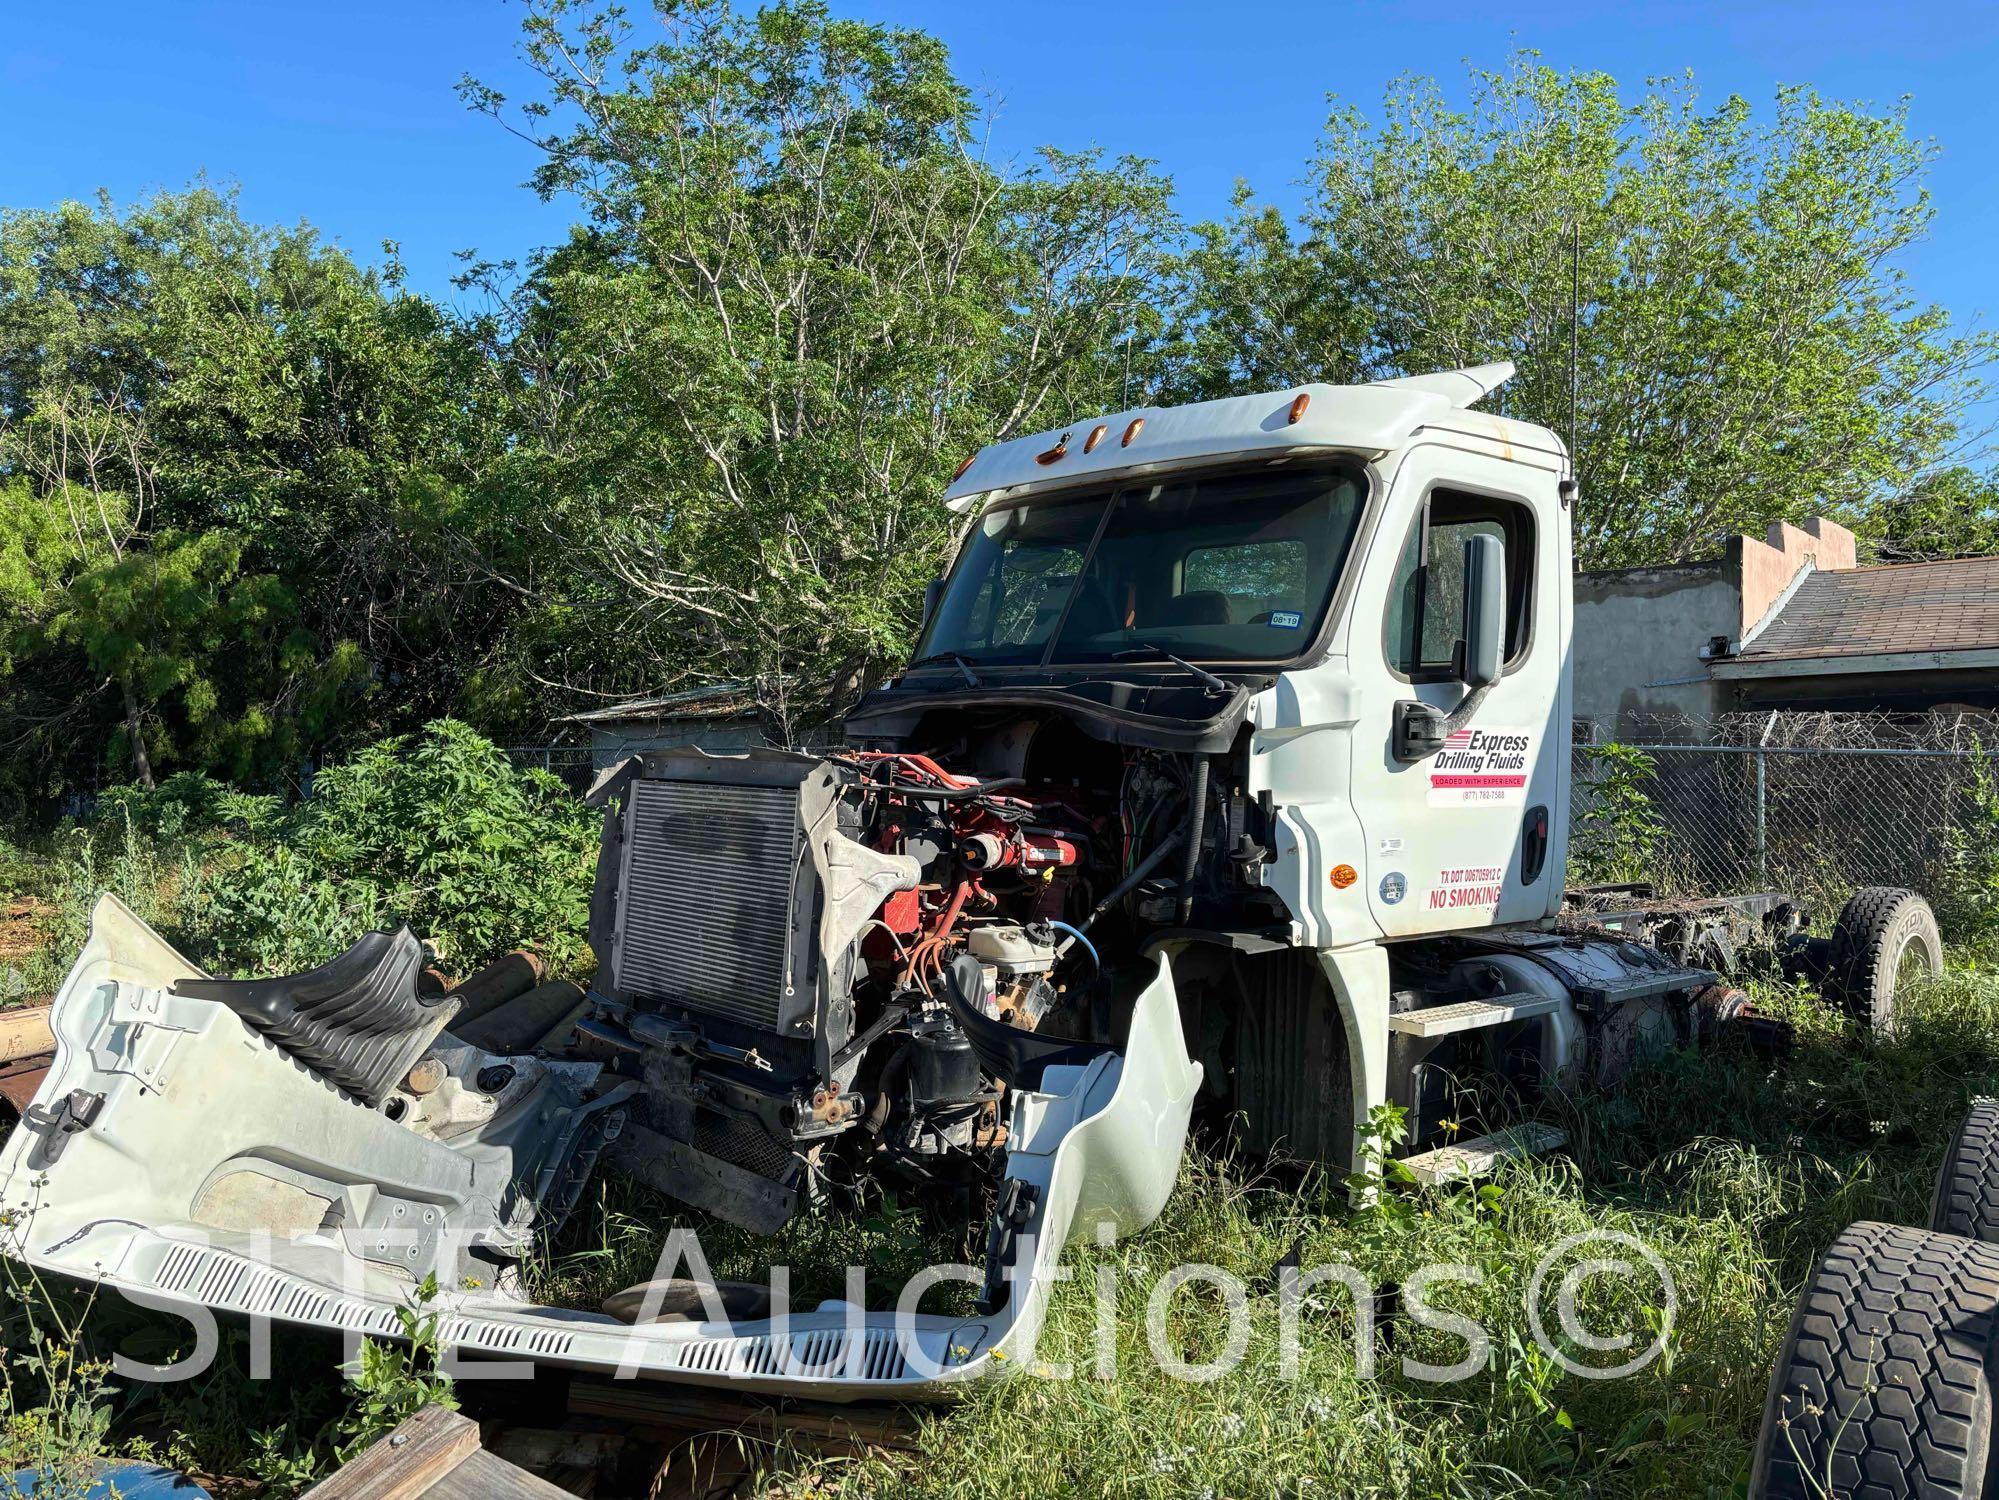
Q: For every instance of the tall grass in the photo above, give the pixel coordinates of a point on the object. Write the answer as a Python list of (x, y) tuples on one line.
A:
[(1734, 1169)]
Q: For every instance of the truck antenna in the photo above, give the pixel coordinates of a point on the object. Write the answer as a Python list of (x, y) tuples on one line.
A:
[(1575, 317)]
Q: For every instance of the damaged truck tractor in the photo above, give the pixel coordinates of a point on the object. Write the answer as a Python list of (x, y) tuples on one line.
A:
[(1229, 784)]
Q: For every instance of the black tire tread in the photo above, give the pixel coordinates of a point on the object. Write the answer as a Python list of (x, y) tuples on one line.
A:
[(1880, 1390), (1859, 947), (1966, 1200)]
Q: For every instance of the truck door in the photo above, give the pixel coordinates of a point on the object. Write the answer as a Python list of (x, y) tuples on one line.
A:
[(1465, 837)]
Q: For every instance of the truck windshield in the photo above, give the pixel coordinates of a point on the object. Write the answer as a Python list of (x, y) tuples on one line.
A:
[(1236, 568)]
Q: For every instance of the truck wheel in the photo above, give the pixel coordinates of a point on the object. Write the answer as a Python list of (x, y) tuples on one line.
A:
[(1885, 942), (1966, 1200), (1881, 1386)]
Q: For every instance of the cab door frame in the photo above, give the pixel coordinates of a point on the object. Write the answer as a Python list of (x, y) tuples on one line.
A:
[(1444, 835)]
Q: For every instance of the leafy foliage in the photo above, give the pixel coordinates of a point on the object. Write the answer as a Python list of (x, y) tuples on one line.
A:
[(1951, 513), (1747, 348), (259, 504), (238, 490), (799, 299), (1615, 833), (435, 829), (393, 1382), (1967, 894)]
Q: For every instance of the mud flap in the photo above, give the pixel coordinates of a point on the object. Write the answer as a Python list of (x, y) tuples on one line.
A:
[(219, 1172)]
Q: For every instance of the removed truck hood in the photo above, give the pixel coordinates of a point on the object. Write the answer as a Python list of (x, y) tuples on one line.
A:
[(188, 1159)]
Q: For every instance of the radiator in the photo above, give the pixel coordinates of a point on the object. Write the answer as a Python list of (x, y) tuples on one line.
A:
[(714, 909)]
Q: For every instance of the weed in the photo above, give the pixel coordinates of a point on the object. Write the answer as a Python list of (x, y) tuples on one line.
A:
[(1967, 879), (1617, 833), (393, 1382), (55, 1399)]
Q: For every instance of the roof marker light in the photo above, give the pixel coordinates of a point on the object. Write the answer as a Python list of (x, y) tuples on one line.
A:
[(1056, 454), (960, 474), (1298, 405), (1096, 436), (1137, 426)]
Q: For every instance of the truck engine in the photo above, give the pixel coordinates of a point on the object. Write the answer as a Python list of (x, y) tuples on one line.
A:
[(830, 970)]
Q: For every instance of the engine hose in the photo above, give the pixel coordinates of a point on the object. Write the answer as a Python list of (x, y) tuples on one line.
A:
[(1127, 885), (1088, 946), (1195, 819), (952, 793)]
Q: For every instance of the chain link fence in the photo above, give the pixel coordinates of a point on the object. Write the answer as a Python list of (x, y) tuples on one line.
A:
[(571, 764), (1813, 803)]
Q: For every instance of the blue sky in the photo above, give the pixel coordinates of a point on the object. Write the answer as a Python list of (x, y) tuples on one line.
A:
[(344, 114)]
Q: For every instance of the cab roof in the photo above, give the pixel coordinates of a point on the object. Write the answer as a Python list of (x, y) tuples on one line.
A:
[(1369, 420)]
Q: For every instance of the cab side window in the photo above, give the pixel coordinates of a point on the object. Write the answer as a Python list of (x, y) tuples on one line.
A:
[(1426, 600)]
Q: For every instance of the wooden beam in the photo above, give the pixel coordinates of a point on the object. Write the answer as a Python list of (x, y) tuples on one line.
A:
[(25, 1033), (641, 1404), (408, 1462), (486, 1477)]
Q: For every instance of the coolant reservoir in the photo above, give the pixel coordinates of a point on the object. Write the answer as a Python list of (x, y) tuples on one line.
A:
[(1011, 949)]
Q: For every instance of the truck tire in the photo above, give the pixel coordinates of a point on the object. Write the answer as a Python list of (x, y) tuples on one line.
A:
[(1885, 940), (1881, 1388), (1966, 1200)]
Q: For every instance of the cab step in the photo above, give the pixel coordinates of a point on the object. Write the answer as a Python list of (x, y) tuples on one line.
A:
[(1478, 1156), (1470, 1015)]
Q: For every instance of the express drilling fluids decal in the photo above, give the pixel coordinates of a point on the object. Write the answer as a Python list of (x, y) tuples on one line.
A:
[(1481, 768)]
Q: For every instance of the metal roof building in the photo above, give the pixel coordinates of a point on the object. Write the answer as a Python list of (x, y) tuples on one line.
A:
[(1787, 621)]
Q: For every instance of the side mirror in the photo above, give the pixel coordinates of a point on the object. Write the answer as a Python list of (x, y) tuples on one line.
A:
[(1485, 611), (932, 592)]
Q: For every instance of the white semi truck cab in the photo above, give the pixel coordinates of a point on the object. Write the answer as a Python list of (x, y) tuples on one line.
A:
[(1357, 601), (1227, 790)]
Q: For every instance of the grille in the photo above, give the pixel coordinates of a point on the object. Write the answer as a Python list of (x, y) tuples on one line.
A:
[(743, 1144), (707, 898)]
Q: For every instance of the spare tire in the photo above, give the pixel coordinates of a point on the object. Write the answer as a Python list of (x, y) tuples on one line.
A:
[(1882, 1387), (1885, 941), (1966, 1200)]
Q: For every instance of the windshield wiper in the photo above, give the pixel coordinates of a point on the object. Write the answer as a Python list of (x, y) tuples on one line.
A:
[(1142, 649), (952, 657)]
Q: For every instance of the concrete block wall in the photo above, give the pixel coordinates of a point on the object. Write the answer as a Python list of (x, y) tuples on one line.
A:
[(1765, 569), (1639, 632)]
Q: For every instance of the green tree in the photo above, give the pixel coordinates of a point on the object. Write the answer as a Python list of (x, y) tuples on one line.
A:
[(1747, 347), (800, 297), (1953, 512), (278, 483)]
